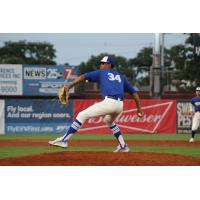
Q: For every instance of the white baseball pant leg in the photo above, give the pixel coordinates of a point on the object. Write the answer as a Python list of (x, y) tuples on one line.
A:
[(106, 107), (196, 121)]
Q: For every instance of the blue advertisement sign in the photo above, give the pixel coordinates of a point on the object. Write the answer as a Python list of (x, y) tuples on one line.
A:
[(46, 80), (37, 116)]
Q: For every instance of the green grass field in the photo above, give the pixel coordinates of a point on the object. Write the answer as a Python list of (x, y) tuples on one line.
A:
[(194, 151)]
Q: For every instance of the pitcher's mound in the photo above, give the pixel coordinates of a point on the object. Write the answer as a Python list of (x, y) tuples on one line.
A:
[(101, 159)]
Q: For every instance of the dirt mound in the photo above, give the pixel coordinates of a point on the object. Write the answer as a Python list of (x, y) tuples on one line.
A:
[(101, 159)]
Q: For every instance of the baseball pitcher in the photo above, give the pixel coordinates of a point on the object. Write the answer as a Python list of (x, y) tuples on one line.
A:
[(196, 114), (112, 87)]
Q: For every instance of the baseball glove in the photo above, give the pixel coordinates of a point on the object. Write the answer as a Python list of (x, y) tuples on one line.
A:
[(63, 96)]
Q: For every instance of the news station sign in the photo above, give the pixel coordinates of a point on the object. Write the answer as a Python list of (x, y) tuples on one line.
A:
[(11, 79), (46, 80)]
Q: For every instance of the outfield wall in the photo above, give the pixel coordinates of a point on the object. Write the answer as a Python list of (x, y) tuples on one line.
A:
[(39, 116), (35, 115)]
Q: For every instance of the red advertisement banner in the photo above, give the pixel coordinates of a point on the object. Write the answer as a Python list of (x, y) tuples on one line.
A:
[(159, 117)]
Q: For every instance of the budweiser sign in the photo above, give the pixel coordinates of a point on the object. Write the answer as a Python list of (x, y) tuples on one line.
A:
[(159, 117)]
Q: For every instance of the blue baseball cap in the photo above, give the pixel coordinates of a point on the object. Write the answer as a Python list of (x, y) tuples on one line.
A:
[(107, 59)]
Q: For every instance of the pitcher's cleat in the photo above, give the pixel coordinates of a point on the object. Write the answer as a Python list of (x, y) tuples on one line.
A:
[(191, 140), (59, 143), (120, 149)]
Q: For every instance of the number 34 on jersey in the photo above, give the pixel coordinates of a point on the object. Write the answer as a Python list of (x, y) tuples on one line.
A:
[(112, 77)]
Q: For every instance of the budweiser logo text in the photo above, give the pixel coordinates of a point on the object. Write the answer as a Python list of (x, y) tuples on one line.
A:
[(124, 118)]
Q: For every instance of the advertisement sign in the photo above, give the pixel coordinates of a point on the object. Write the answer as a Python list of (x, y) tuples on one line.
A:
[(2, 124), (46, 80), (184, 118), (37, 116), (159, 117), (10, 79)]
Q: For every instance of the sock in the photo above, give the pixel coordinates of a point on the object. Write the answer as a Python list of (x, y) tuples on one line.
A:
[(117, 134), (193, 134), (72, 129)]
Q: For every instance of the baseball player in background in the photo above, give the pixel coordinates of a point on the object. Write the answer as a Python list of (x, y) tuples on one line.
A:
[(196, 116), (112, 87)]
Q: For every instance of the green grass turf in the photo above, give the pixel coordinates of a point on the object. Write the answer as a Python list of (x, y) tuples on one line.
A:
[(181, 137), (23, 151), (6, 152)]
